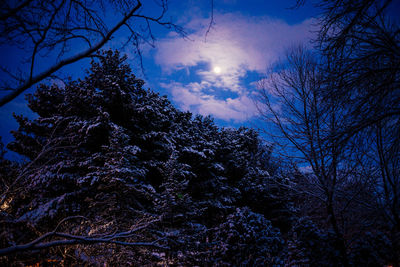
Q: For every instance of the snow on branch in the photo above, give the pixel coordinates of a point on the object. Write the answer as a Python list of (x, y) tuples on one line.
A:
[(69, 239)]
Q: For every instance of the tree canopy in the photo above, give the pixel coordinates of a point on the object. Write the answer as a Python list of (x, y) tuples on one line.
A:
[(108, 156)]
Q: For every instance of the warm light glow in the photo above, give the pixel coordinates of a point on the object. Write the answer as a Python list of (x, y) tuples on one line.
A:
[(6, 204), (217, 70)]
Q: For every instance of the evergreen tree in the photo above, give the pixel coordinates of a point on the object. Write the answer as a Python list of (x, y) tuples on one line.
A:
[(106, 155)]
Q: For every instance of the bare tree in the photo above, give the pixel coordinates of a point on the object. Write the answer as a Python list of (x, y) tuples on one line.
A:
[(69, 30), (361, 43), (386, 153), (303, 124)]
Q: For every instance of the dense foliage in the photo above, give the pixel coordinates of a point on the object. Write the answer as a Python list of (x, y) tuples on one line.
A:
[(118, 155)]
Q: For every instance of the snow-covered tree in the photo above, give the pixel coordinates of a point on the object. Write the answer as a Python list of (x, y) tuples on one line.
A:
[(107, 158)]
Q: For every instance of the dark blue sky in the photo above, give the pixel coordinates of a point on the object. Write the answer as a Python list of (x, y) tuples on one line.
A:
[(213, 75)]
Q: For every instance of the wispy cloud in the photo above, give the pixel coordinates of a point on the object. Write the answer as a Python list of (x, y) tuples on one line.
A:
[(192, 97), (237, 45)]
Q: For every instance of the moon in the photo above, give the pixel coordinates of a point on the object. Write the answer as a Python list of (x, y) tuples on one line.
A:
[(217, 70)]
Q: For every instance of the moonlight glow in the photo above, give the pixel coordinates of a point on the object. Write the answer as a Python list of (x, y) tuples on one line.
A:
[(217, 70)]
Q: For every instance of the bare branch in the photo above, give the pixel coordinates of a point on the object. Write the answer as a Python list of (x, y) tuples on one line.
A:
[(11, 12), (211, 24), (68, 239), (87, 53)]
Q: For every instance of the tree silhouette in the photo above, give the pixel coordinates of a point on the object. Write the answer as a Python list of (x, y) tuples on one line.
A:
[(68, 31)]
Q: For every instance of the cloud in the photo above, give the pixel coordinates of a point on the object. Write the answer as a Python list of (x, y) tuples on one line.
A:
[(238, 45), (195, 100)]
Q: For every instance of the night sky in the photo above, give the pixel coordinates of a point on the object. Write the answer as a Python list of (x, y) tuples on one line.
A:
[(210, 74)]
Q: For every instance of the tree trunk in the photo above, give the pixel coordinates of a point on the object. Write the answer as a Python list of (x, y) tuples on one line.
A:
[(340, 242)]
